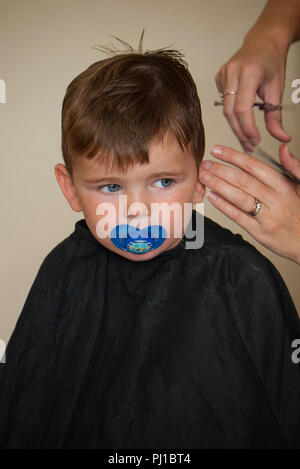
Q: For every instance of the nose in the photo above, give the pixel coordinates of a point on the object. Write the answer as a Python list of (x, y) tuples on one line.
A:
[(138, 204)]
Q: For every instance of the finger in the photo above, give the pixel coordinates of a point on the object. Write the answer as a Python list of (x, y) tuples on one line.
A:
[(246, 221), (231, 83), (261, 171), (289, 161), (230, 193), (228, 111), (273, 119), (236, 186), (243, 107), (219, 81)]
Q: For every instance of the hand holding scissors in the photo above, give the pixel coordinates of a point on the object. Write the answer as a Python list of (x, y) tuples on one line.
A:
[(261, 200)]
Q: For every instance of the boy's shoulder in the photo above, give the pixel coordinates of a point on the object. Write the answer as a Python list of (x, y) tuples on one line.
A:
[(245, 278), (80, 243), (220, 245), (238, 270), (230, 258)]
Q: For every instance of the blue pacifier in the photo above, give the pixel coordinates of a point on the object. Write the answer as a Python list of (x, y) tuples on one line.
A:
[(132, 239)]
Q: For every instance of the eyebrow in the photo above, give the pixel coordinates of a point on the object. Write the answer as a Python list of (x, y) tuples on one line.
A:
[(166, 174)]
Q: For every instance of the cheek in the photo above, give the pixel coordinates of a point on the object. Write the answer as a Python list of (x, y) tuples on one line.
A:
[(184, 194), (90, 202)]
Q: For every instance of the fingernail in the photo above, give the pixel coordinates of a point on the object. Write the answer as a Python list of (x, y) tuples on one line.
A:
[(217, 150), (212, 196), (289, 151), (205, 176), (281, 147), (205, 164), (254, 141), (247, 147)]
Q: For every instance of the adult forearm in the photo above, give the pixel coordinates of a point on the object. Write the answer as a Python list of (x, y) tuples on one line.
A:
[(280, 20)]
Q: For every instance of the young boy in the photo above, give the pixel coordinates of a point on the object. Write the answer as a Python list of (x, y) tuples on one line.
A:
[(135, 341)]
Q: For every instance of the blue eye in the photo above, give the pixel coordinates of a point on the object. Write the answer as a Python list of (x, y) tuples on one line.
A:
[(114, 188), (165, 182)]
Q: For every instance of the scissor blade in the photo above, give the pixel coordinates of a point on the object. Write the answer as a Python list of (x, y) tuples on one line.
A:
[(260, 152)]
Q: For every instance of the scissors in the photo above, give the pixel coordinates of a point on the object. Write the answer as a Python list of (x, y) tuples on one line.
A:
[(265, 106), (259, 151)]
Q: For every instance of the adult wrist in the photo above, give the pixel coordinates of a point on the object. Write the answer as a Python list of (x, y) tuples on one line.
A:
[(278, 35)]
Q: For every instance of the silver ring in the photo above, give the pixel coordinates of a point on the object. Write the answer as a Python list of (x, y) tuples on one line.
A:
[(228, 92), (256, 209)]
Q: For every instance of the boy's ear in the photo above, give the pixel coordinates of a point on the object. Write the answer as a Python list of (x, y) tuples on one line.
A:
[(199, 192), (65, 181)]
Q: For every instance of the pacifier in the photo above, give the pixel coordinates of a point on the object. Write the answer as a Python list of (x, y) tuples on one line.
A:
[(132, 239)]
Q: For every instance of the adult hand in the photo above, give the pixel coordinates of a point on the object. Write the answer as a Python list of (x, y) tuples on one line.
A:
[(257, 68), (234, 193)]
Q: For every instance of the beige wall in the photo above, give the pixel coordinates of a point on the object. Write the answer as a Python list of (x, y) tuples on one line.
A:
[(44, 44)]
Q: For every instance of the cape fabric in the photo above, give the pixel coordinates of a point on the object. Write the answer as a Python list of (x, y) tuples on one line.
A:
[(191, 349)]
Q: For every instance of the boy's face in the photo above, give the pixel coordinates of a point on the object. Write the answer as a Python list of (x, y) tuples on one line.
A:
[(170, 177)]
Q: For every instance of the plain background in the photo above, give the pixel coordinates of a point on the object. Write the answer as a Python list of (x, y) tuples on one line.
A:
[(44, 44)]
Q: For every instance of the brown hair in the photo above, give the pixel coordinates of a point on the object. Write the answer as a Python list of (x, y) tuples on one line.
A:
[(116, 106)]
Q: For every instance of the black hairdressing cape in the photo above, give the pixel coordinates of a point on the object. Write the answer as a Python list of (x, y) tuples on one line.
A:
[(191, 349)]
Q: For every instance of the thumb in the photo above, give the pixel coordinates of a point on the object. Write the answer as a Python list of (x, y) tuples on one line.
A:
[(273, 119), (289, 162)]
